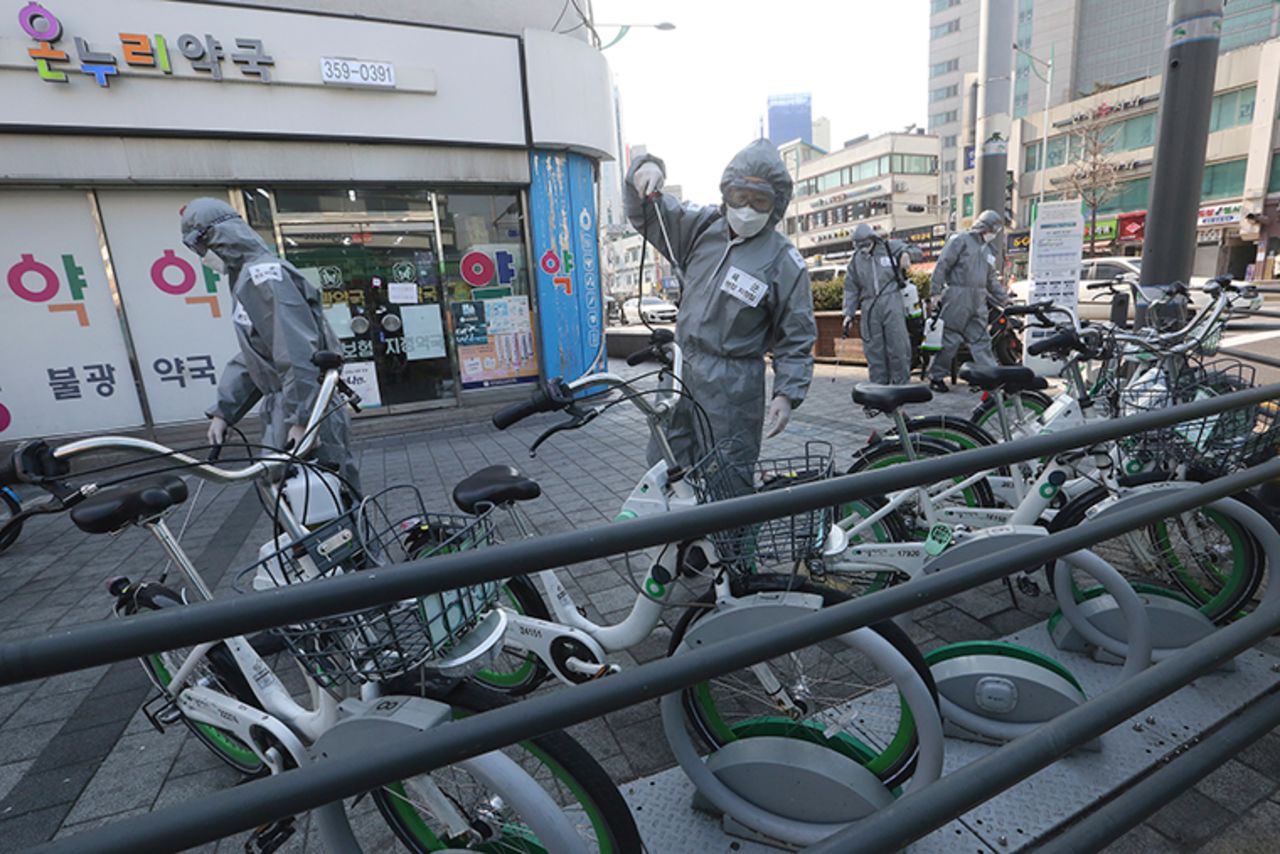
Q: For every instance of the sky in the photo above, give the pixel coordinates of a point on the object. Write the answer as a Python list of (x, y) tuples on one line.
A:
[(695, 95)]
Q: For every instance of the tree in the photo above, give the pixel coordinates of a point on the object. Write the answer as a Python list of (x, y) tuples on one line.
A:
[(1092, 175)]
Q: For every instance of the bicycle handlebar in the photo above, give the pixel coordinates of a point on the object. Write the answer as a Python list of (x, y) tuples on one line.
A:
[(555, 394), (1065, 339)]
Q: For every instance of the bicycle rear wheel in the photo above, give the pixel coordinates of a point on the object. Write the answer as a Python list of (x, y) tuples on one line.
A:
[(218, 672), (577, 783)]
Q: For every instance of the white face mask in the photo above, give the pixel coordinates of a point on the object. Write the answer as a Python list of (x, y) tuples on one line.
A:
[(864, 249), (988, 237), (746, 221), (214, 262)]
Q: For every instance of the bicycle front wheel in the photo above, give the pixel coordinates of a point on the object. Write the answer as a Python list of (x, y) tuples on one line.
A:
[(574, 780), (517, 673), (822, 685)]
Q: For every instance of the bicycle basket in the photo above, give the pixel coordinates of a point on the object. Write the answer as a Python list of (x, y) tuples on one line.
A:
[(1215, 444), (386, 641), (720, 474)]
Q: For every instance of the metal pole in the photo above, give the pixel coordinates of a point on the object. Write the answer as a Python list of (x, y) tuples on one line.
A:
[(244, 807), (916, 815), (1110, 821), (995, 77), (1044, 131), (1186, 98), (89, 645)]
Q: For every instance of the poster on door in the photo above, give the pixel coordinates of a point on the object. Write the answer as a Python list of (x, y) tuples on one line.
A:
[(64, 368), (494, 338), (179, 310)]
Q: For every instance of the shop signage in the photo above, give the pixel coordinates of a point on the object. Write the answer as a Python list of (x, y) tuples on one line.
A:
[(1107, 109), (968, 157), (141, 51), (1019, 243), (1106, 229), (1215, 215), (336, 71), (567, 271), (926, 240), (483, 266), (850, 194), (1131, 227)]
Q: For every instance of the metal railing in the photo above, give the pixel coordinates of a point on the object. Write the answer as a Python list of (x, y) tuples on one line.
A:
[(259, 802)]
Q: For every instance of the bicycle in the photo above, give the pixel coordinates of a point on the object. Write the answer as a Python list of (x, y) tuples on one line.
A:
[(794, 698), (402, 663)]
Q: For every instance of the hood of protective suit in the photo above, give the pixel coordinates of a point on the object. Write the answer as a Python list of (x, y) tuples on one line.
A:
[(214, 224), (760, 159)]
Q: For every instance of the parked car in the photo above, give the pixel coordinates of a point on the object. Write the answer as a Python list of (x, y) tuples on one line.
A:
[(648, 310), (1096, 304)]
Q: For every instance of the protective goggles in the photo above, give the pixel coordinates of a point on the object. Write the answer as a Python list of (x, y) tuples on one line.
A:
[(748, 194), (195, 240)]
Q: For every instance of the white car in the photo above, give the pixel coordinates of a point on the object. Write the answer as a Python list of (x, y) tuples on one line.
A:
[(649, 310), (1096, 304)]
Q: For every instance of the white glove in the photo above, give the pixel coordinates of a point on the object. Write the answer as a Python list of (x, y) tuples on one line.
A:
[(294, 436), (648, 179), (847, 327), (217, 430), (779, 414)]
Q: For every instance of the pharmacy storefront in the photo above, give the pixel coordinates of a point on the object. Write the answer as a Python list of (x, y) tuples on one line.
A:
[(438, 186)]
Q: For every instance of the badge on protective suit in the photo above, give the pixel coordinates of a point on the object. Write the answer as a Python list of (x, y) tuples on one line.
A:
[(744, 287), (269, 272), (885, 262), (241, 317), (991, 259), (795, 255)]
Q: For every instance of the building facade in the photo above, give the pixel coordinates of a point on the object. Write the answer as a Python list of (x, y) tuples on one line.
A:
[(449, 217), (1094, 44), (790, 117), (1240, 186), (882, 181)]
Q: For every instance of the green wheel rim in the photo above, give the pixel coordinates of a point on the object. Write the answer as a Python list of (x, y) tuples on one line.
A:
[(810, 731), (515, 837), (1032, 405), (1209, 603), (970, 496), (880, 533), (521, 673), (226, 742)]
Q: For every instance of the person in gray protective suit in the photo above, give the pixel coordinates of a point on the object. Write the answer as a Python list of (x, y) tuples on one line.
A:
[(872, 286), (745, 293), (280, 325), (967, 275)]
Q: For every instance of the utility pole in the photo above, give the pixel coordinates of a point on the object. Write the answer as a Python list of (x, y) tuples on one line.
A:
[(1186, 99), (995, 81)]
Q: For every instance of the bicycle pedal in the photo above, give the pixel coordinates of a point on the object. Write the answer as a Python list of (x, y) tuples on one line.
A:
[(167, 714), (270, 837), (1028, 587)]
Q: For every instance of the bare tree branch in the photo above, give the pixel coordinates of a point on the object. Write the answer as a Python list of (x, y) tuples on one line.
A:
[(1093, 175)]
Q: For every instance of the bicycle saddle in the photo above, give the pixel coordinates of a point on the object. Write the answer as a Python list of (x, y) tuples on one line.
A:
[(494, 485), (114, 508), (1007, 377), (887, 398)]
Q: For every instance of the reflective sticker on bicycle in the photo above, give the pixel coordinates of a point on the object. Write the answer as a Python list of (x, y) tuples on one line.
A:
[(1048, 490), (1133, 466), (654, 588)]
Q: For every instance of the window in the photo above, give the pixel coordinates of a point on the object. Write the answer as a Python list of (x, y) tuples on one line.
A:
[(915, 164), (942, 93), (1057, 154), (944, 118), (940, 68), (1132, 196), (1137, 132), (949, 141), (942, 5), (1109, 271), (1031, 157), (1232, 109), (939, 30), (1273, 182), (1223, 180)]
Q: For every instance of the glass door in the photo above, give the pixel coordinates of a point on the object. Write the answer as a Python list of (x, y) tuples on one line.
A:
[(380, 280)]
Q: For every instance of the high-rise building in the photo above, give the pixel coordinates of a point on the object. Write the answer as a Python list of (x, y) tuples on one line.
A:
[(790, 117), (1094, 44), (822, 133)]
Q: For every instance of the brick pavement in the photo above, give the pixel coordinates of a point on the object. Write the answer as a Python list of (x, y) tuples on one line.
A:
[(76, 752)]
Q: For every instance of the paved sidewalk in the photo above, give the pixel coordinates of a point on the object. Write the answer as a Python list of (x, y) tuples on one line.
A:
[(76, 752)]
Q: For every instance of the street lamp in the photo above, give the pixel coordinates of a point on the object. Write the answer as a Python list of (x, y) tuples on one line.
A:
[(1047, 79), (623, 29)]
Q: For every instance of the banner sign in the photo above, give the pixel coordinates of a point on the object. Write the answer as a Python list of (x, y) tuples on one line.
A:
[(562, 220)]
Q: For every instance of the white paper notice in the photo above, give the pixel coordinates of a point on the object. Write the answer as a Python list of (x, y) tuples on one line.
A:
[(1057, 241), (403, 293), (339, 317), (363, 379), (423, 332)]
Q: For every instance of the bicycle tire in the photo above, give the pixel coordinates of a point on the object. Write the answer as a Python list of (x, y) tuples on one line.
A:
[(1248, 564), (885, 453), (894, 766), (12, 506), (521, 595), (891, 528), (560, 754), (222, 670), (1032, 401)]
